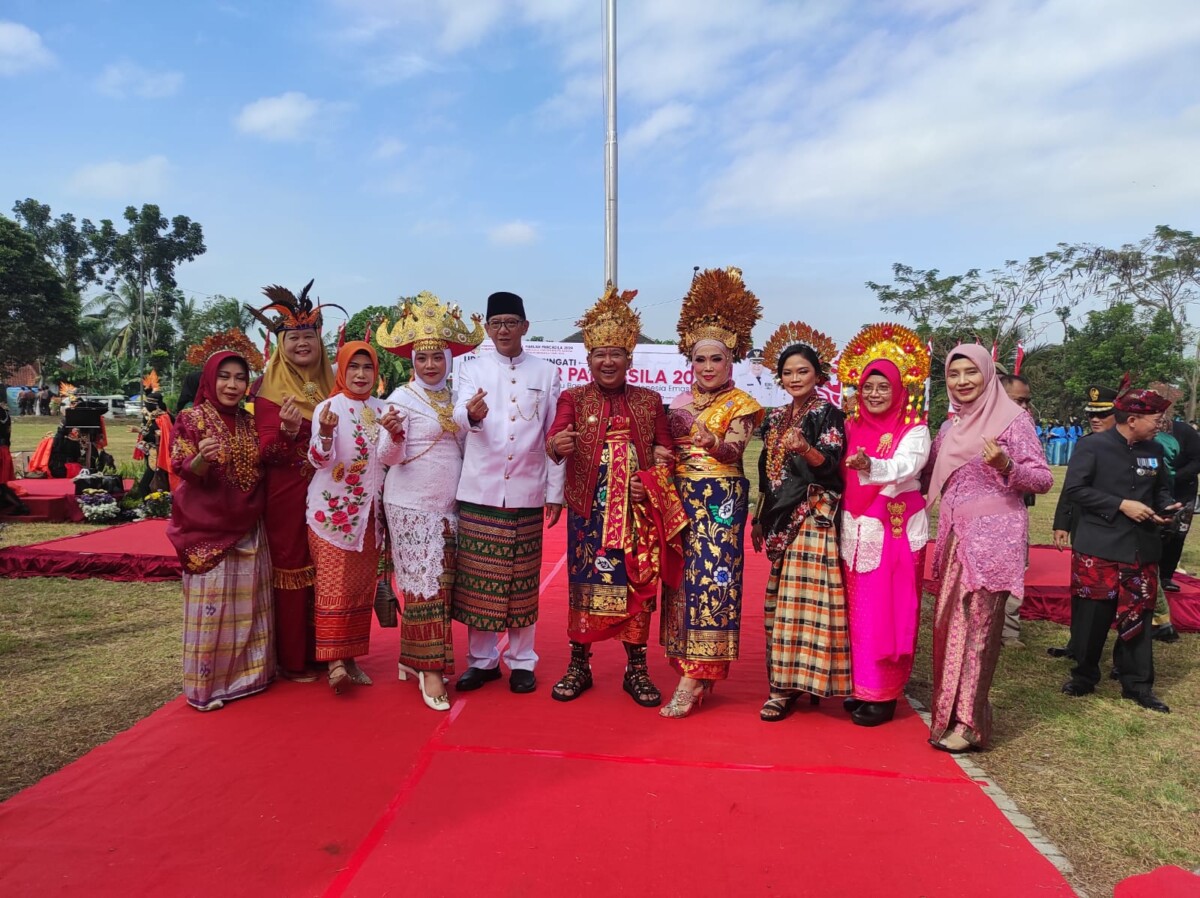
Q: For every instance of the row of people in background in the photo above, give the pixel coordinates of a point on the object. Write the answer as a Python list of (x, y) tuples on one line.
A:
[(33, 401), (657, 506), (1058, 439)]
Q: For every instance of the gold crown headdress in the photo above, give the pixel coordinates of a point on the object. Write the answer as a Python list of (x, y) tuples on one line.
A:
[(427, 324), (899, 345), (718, 307), (234, 341), (295, 312), (611, 321), (798, 333)]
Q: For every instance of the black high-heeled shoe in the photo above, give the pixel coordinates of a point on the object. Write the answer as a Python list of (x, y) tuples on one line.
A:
[(852, 704)]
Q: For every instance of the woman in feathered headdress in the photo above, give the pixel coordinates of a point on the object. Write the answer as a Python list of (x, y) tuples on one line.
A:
[(710, 424), (801, 485), (884, 524), (297, 377)]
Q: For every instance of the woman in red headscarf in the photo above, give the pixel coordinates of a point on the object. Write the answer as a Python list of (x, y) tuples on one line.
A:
[(884, 531), (985, 459), (216, 527), (345, 516)]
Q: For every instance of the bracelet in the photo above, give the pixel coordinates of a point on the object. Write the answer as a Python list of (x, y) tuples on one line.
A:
[(291, 434), (325, 439), (1008, 467)]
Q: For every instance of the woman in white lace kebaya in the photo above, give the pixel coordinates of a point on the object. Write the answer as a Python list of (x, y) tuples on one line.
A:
[(419, 492)]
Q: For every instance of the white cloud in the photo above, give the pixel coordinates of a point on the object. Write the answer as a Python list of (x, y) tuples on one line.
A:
[(660, 125), (513, 233), (289, 116), (22, 50), (125, 79), (126, 181), (389, 148)]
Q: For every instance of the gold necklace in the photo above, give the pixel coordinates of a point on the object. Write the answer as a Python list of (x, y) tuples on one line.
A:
[(439, 402)]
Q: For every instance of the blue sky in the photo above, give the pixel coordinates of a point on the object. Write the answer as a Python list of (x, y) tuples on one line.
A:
[(386, 146)]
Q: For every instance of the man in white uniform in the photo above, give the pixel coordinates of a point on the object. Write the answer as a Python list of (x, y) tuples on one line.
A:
[(760, 383), (507, 400)]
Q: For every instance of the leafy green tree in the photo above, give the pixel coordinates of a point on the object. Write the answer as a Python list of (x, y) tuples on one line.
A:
[(392, 368), (39, 317), (1123, 337), (63, 243)]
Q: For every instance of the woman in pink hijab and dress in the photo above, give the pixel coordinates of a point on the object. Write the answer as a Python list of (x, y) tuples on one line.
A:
[(985, 458)]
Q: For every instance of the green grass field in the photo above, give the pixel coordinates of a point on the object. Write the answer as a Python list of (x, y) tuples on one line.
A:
[(1116, 787)]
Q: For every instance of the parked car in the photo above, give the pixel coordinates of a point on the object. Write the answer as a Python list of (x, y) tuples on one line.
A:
[(115, 406)]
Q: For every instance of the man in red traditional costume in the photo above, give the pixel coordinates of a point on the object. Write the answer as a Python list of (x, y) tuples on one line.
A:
[(297, 378), (624, 517)]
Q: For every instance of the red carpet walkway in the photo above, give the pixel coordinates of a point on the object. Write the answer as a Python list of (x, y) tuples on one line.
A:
[(299, 793)]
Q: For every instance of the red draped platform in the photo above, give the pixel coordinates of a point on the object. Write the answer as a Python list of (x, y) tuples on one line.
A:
[(297, 792), (124, 552), (49, 500)]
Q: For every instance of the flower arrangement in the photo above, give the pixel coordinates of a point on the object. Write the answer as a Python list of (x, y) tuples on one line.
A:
[(98, 506), (155, 505)]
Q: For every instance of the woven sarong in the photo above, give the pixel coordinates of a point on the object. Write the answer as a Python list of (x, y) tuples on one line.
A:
[(808, 644), (345, 596), (228, 651), (425, 632), (499, 567)]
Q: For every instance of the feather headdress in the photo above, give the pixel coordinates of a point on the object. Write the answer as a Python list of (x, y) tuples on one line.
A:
[(719, 307), (899, 345), (232, 340), (294, 312), (611, 321), (793, 333)]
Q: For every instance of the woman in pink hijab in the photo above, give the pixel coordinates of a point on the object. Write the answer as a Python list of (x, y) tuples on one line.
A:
[(985, 457)]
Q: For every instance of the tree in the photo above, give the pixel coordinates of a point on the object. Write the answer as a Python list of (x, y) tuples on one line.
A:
[(1159, 272), (144, 258), (1120, 338), (64, 245), (39, 317)]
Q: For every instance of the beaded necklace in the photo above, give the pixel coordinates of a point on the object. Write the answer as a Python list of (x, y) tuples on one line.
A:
[(776, 451)]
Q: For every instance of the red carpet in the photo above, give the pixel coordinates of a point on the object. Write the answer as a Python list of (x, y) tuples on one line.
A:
[(50, 501), (124, 552), (1048, 590), (297, 792)]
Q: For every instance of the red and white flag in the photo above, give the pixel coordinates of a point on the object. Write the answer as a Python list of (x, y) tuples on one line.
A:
[(1020, 358)]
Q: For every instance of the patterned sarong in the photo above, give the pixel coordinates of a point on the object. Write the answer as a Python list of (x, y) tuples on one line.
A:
[(499, 567), (1134, 587), (808, 644), (345, 596), (425, 631), (228, 651), (701, 620)]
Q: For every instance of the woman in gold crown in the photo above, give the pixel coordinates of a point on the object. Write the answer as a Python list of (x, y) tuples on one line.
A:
[(884, 525), (419, 492), (800, 477), (710, 426)]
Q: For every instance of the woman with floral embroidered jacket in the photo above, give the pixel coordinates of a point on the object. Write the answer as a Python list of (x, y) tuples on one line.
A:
[(216, 527), (345, 514), (800, 477)]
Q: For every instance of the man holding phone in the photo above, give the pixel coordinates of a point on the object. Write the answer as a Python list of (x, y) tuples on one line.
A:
[(1119, 484)]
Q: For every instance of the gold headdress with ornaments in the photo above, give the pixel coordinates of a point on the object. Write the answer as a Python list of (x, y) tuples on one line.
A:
[(611, 321), (899, 345), (798, 333), (427, 324), (718, 307), (232, 340)]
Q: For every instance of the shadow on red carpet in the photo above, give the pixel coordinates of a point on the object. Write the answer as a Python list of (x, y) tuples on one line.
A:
[(298, 792)]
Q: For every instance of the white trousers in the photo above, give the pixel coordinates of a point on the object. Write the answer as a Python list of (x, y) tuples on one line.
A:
[(483, 648)]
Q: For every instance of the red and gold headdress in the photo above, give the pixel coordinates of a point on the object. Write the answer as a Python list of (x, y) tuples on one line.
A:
[(798, 333), (718, 307), (232, 340), (611, 321), (901, 346), (428, 324), (294, 312)]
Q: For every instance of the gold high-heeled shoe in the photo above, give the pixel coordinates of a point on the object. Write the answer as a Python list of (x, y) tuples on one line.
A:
[(358, 675), (684, 701)]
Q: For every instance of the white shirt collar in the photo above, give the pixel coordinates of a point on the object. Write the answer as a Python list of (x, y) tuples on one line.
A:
[(506, 362)]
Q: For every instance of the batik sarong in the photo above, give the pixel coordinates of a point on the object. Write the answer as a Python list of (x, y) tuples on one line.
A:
[(499, 567), (228, 649)]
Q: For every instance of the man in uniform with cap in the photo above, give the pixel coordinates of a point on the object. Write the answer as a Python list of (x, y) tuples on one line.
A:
[(760, 383), (506, 399), (1118, 480)]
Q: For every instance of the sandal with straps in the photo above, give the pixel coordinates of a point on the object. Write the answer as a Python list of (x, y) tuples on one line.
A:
[(777, 707), (637, 679), (578, 678)]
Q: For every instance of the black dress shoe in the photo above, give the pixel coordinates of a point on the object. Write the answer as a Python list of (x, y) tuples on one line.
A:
[(522, 681), (1167, 633), (1057, 652), (1075, 688), (1170, 586), (852, 704), (476, 677), (1147, 700), (872, 714)]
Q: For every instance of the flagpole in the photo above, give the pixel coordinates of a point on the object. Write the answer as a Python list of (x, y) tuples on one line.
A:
[(610, 141)]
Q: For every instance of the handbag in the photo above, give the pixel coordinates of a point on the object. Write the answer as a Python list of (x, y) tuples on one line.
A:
[(386, 606)]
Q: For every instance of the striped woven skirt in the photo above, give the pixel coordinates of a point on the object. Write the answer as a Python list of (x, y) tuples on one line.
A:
[(499, 567), (345, 596), (228, 647), (808, 642)]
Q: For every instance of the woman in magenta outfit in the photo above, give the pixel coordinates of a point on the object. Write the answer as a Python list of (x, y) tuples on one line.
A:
[(985, 458)]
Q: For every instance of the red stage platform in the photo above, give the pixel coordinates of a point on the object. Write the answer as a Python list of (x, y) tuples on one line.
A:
[(50, 501), (124, 552), (299, 792)]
